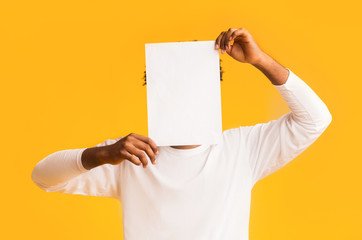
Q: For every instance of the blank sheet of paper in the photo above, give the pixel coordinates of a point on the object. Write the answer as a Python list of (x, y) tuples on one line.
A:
[(183, 93)]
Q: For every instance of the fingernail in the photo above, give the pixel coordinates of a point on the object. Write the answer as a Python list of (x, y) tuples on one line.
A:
[(216, 46), (157, 152)]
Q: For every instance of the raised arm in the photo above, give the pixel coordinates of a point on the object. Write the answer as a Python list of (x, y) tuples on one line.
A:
[(269, 146), (272, 145)]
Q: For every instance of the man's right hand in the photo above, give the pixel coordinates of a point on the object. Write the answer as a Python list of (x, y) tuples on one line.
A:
[(130, 148)]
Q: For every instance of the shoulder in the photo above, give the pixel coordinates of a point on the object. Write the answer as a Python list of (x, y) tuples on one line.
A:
[(242, 134), (237, 133), (234, 136)]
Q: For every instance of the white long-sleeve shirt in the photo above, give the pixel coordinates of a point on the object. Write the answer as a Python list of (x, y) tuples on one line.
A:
[(199, 193)]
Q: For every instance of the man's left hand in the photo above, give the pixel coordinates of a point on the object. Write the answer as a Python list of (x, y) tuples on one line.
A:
[(244, 48)]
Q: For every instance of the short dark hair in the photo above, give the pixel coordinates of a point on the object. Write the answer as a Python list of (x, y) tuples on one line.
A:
[(145, 78)]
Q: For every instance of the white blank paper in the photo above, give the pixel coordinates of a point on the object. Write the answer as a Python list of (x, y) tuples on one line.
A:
[(183, 93)]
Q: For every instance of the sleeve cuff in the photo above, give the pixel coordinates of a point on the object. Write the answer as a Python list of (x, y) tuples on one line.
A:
[(79, 161), (293, 84), (290, 79)]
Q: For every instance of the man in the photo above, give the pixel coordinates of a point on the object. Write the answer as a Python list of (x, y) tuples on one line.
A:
[(194, 191)]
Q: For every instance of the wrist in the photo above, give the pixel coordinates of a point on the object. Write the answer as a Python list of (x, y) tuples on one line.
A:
[(94, 157), (262, 61), (274, 71), (103, 154)]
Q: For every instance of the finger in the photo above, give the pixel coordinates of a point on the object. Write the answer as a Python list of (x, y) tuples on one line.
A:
[(131, 158), (141, 155), (222, 40), (227, 37), (148, 141), (240, 32), (147, 148), (217, 41)]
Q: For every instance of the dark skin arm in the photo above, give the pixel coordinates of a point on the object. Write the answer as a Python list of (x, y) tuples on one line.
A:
[(245, 50)]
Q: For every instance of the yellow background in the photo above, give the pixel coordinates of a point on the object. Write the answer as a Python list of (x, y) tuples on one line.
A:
[(71, 77)]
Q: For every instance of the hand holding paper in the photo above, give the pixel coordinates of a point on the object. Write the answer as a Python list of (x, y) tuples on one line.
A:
[(244, 49)]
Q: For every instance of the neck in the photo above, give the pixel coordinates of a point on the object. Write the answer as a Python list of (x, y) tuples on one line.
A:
[(185, 146)]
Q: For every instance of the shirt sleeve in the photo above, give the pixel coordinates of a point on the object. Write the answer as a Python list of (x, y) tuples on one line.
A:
[(270, 146), (63, 172)]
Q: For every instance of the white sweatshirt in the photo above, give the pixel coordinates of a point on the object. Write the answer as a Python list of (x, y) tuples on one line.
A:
[(199, 193)]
